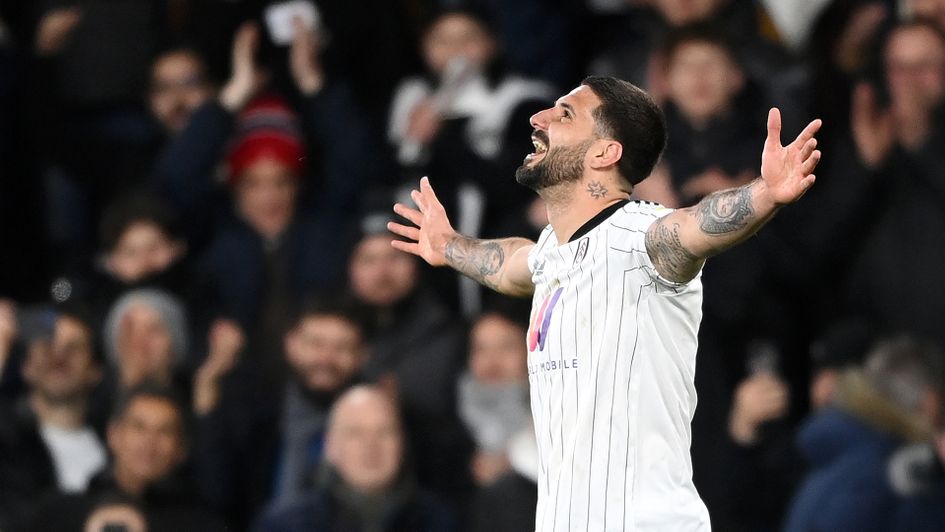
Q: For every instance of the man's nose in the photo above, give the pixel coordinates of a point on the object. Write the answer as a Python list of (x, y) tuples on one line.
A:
[(540, 119)]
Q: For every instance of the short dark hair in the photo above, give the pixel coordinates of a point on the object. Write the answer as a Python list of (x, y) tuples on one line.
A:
[(132, 209), (699, 33), (629, 115), (151, 390), (339, 305)]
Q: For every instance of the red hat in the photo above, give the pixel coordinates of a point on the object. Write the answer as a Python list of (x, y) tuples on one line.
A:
[(267, 128)]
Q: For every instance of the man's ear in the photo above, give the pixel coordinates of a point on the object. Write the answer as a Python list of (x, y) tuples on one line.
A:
[(605, 153)]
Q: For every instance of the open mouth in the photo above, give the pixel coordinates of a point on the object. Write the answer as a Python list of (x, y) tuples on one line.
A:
[(540, 142)]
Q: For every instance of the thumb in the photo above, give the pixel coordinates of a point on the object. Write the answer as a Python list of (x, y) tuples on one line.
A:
[(774, 127)]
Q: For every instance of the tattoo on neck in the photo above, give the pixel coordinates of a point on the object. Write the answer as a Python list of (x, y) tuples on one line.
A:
[(725, 211), (597, 189), (478, 259)]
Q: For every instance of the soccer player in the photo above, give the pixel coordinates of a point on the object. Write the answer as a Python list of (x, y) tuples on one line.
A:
[(617, 302)]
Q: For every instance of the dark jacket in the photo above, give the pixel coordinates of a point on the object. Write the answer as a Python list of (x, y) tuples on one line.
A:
[(918, 475), (171, 505), (27, 472), (334, 508), (848, 447)]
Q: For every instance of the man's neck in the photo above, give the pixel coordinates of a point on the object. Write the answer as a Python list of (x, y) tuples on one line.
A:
[(571, 205), (65, 414)]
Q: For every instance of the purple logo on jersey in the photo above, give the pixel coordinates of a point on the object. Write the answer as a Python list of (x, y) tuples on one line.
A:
[(538, 331)]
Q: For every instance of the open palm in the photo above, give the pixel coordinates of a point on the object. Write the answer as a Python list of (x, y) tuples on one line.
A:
[(788, 170)]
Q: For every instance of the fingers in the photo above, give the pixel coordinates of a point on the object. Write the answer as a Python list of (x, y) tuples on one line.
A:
[(808, 149), (809, 131), (810, 163), (411, 214), (417, 198), (427, 190), (408, 247), (404, 230)]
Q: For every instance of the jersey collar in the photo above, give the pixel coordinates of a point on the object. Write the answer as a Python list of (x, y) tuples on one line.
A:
[(597, 219)]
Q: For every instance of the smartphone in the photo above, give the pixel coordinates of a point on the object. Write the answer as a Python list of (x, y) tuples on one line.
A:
[(280, 19)]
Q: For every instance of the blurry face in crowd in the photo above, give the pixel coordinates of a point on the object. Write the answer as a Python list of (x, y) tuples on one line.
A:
[(931, 10), (364, 441), (681, 12), (325, 351), (497, 352), (563, 134), (265, 196), (62, 368), (178, 87), (457, 36), (145, 347), (381, 275), (915, 66), (142, 250), (702, 80), (148, 441)]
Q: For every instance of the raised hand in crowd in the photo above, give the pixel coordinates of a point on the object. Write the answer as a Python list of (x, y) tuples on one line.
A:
[(246, 77), (225, 343), (304, 63), (760, 398), (874, 130), (851, 50), (8, 330), (54, 29)]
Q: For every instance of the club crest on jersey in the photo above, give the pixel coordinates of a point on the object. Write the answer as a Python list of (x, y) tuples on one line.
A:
[(538, 331), (581, 251)]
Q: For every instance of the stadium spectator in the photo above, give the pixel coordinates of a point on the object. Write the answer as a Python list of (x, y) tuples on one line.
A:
[(146, 340), (367, 484), (277, 443), (178, 87), (713, 113), (466, 121), (148, 443), (47, 444), (416, 349), (893, 399), (891, 195), (493, 393), (632, 53)]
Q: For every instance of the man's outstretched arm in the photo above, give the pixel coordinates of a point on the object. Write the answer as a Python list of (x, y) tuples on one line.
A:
[(679, 243), (501, 264)]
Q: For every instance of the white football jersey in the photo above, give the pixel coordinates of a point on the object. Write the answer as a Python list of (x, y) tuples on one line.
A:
[(611, 363)]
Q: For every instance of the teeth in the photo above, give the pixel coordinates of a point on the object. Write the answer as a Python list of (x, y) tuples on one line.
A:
[(539, 146)]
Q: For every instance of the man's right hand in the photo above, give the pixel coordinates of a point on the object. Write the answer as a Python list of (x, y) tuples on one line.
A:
[(433, 230), (501, 265), (246, 78)]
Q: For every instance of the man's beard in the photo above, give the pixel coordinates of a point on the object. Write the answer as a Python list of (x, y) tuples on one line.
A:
[(563, 164)]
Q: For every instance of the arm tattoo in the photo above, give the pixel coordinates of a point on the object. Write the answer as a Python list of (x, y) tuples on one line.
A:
[(477, 259), (597, 189), (669, 255), (725, 211)]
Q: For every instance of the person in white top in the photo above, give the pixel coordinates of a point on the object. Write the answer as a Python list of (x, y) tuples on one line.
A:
[(617, 300)]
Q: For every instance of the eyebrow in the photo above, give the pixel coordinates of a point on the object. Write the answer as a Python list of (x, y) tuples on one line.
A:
[(568, 106)]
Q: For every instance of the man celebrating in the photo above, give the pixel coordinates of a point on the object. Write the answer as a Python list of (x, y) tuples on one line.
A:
[(617, 302)]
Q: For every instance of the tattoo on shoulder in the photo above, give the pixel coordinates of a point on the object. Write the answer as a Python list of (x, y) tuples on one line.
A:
[(597, 189), (725, 211), (477, 259), (668, 254)]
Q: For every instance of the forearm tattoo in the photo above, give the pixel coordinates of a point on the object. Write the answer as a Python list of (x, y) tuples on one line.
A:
[(667, 252), (725, 211), (478, 259), (597, 189)]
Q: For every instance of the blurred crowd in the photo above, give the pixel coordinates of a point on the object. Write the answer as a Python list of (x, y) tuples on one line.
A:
[(203, 325)]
